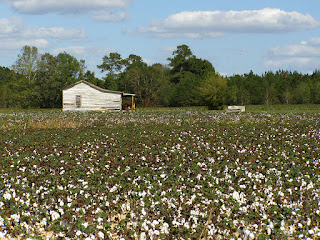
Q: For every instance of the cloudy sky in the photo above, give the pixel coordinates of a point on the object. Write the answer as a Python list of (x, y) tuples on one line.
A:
[(235, 36)]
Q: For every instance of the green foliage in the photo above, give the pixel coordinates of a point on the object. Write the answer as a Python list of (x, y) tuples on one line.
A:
[(145, 82), (37, 80), (27, 62), (213, 91), (281, 87)]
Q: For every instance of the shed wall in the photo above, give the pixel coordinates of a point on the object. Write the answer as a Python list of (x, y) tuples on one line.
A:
[(90, 99)]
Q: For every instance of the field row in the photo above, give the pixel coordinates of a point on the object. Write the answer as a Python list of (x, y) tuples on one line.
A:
[(162, 175)]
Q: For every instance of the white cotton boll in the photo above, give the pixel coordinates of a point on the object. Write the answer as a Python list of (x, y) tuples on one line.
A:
[(7, 196), (54, 215), (43, 222), (308, 221), (251, 236), (269, 230), (165, 228), (143, 212), (145, 226), (101, 235), (61, 211), (186, 225), (154, 223), (15, 217), (310, 186), (236, 195), (311, 231), (143, 236)]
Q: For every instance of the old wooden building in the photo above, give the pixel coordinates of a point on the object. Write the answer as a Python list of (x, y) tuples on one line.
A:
[(84, 96)]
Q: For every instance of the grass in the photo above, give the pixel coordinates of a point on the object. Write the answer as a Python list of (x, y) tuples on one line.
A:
[(281, 108), (56, 118)]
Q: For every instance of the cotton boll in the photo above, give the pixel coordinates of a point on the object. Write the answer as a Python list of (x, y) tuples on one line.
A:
[(308, 221), (143, 236), (269, 230), (251, 236), (7, 196)]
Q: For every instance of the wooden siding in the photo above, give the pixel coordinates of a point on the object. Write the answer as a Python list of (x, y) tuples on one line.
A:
[(83, 96)]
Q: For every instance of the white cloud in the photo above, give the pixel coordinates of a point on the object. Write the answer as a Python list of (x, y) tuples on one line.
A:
[(101, 10), (14, 28), (84, 51), (54, 32), (291, 63), (210, 24), (14, 35), (9, 47), (10, 26), (299, 50), (14, 44), (305, 55), (66, 6)]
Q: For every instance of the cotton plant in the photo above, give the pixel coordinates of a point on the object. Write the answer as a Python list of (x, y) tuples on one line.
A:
[(161, 176)]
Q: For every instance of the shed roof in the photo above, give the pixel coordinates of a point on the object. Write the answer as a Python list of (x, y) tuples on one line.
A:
[(93, 86)]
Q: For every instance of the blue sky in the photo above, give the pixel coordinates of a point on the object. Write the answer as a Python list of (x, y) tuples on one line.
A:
[(235, 36)]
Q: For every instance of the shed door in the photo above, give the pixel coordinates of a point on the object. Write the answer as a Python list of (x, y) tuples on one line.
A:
[(78, 101)]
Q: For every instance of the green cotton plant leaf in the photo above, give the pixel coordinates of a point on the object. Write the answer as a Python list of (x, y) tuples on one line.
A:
[(179, 173)]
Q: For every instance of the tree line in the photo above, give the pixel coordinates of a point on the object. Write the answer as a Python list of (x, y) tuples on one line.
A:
[(37, 80)]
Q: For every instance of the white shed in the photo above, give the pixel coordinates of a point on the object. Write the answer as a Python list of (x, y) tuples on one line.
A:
[(84, 96)]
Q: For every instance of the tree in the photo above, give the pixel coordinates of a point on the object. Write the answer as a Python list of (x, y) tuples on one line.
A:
[(213, 91), (112, 64), (232, 94), (187, 74), (91, 78), (134, 61), (178, 62), (69, 69), (27, 62), (302, 93), (181, 55), (186, 92), (147, 82), (47, 82), (6, 76)]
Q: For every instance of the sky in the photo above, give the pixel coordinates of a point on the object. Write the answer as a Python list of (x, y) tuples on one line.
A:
[(235, 36)]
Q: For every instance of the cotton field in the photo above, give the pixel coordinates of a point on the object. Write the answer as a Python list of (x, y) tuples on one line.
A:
[(178, 174)]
